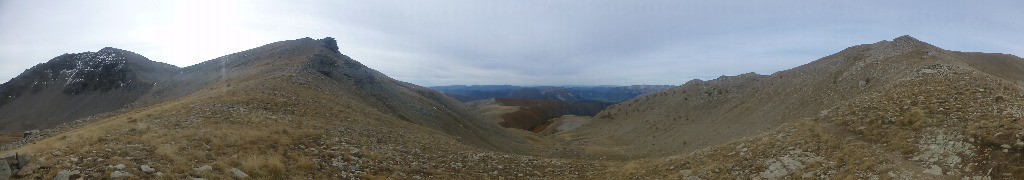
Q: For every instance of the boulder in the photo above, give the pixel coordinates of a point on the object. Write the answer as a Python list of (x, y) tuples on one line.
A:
[(204, 169), (15, 161), (64, 175), (147, 169), (120, 174), (238, 174), (5, 170), (30, 133), (118, 166), (27, 170)]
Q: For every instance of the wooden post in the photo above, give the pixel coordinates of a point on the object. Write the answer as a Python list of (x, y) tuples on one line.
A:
[(17, 159)]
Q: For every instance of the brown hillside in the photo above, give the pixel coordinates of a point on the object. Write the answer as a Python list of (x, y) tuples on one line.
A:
[(894, 109), (700, 114), (288, 109), (942, 121), (900, 109)]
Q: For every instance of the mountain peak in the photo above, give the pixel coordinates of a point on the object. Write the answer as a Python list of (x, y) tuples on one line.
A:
[(118, 52), (110, 49), (902, 44), (907, 39)]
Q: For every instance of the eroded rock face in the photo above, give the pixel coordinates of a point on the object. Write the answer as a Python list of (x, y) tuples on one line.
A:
[(331, 44)]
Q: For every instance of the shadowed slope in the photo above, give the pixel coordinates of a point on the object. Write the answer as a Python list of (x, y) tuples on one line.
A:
[(74, 86)]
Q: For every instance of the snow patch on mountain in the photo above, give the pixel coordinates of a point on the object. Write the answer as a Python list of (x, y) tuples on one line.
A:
[(93, 62)]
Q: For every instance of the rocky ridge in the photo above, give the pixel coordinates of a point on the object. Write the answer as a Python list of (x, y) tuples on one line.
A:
[(907, 109), (900, 109)]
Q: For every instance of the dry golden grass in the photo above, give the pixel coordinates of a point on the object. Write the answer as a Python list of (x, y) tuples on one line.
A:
[(178, 136), (915, 118), (264, 166)]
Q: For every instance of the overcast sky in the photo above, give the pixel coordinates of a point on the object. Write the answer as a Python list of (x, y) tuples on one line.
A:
[(543, 42)]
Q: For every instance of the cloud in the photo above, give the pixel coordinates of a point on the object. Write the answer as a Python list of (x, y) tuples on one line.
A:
[(516, 42)]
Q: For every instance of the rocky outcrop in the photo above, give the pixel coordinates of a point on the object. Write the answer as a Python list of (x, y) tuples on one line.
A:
[(5, 171), (10, 165)]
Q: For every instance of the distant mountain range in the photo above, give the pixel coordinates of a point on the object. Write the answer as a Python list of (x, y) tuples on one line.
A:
[(614, 94)]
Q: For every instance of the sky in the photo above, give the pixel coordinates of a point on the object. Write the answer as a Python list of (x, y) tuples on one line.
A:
[(526, 42)]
